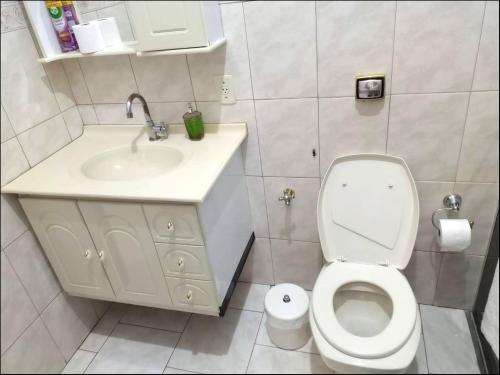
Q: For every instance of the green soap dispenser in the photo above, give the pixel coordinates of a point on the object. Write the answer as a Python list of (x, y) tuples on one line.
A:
[(194, 124)]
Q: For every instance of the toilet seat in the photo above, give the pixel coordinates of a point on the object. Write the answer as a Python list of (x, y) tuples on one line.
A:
[(389, 279)]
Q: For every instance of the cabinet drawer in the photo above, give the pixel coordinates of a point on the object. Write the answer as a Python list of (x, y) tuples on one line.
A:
[(193, 295), (185, 261), (174, 223)]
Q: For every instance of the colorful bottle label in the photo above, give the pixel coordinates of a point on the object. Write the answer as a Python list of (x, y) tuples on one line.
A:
[(60, 23)]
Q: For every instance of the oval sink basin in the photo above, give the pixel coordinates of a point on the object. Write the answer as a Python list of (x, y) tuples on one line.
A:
[(131, 164)]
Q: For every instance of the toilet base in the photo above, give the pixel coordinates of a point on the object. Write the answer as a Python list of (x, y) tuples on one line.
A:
[(396, 363)]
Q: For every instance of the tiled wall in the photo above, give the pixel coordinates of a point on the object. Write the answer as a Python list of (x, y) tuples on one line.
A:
[(39, 116), (293, 65)]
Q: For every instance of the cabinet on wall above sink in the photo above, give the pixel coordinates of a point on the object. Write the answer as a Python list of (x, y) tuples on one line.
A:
[(159, 28), (174, 239)]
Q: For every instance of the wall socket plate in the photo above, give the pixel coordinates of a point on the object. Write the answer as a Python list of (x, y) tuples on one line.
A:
[(225, 88)]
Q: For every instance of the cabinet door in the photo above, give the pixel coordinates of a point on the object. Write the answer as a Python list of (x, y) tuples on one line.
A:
[(160, 25), (64, 237), (127, 251)]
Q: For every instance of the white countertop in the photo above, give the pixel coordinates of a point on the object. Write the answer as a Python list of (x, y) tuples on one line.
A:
[(60, 175)]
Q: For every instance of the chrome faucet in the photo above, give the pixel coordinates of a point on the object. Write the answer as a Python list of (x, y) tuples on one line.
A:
[(156, 131)]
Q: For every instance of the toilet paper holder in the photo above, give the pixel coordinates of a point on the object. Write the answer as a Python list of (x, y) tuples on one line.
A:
[(451, 202)]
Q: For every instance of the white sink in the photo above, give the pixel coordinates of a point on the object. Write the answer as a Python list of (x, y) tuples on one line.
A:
[(132, 163)]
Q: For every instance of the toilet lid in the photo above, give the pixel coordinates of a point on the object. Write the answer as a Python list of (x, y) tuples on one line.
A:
[(391, 281), (368, 210)]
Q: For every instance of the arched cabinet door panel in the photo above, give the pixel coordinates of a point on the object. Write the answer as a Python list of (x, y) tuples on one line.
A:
[(66, 241), (127, 251)]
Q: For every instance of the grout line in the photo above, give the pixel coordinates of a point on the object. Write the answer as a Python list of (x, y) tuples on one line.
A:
[(253, 98), (178, 341), (318, 144), (254, 342), (191, 83), (467, 108), (392, 72), (16, 238)]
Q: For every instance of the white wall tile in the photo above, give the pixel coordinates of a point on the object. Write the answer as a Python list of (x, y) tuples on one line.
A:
[(259, 267), (116, 114), (348, 126), (109, 78), (431, 196), (288, 132), (88, 115), (170, 113), (458, 281), (69, 320), (296, 262), (480, 204), (435, 45), (258, 208), (241, 111), (26, 93), (14, 222), (29, 262), (33, 353), (79, 362), (487, 64), (44, 139), (77, 81), (13, 161), (479, 156), (119, 12), (282, 45), (354, 37), (73, 122), (426, 127), (422, 273), (231, 59), (298, 220), (162, 78), (60, 84), (17, 310), (7, 131), (12, 16)]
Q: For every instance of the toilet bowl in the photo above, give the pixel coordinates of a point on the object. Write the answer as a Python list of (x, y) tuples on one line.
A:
[(363, 315)]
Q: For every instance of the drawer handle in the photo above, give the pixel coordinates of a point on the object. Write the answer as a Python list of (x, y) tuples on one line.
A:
[(87, 254), (180, 263), (170, 226), (101, 255), (189, 296)]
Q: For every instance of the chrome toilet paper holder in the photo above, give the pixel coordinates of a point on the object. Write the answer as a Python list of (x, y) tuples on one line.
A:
[(451, 202)]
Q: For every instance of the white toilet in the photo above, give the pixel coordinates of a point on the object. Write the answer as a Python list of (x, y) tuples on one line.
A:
[(363, 315)]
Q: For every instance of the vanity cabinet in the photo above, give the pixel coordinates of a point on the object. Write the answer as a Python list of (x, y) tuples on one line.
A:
[(178, 241)]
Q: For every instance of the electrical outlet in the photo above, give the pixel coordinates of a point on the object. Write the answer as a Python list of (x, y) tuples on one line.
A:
[(225, 87)]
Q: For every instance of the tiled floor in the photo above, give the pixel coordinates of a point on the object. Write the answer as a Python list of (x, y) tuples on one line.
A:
[(132, 339)]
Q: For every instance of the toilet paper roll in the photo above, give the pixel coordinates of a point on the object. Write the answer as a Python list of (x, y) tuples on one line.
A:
[(454, 234), (89, 37), (109, 31)]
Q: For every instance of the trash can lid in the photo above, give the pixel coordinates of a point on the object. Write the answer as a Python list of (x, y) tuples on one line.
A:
[(286, 302)]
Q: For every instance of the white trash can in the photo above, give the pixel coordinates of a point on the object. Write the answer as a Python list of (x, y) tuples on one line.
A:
[(287, 307)]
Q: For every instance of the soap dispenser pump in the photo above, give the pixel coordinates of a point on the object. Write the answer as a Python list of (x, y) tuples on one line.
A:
[(194, 124)]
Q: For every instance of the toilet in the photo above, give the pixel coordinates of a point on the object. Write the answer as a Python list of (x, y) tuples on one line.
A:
[(364, 317)]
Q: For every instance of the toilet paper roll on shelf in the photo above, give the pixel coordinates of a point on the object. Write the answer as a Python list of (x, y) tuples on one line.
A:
[(89, 37), (97, 35)]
